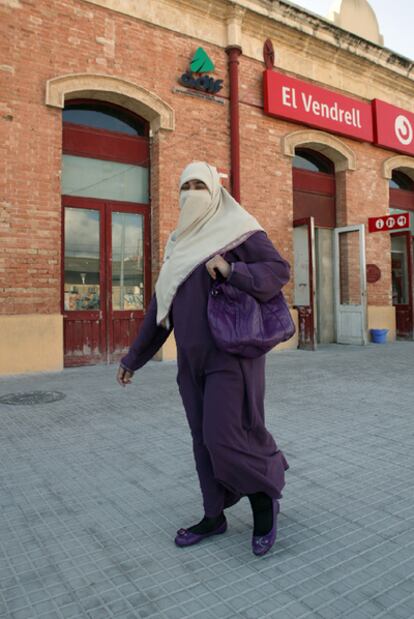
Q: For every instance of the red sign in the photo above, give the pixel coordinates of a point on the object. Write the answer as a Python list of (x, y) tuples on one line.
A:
[(393, 127), (373, 273), (389, 222), (290, 98)]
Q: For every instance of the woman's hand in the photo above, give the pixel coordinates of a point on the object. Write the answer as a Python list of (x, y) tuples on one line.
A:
[(123, 376), (217, 262)]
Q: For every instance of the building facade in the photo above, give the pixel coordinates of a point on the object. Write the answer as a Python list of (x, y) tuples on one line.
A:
[(103, 104)]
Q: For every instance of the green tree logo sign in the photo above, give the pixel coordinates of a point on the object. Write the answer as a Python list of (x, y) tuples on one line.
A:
[(201, 63)]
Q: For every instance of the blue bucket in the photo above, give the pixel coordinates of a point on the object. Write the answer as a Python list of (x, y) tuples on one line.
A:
[(379, 336)]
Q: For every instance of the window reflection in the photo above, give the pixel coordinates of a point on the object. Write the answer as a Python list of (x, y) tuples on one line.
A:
[(102, 116), (127, 261), (400, 180), (313, 161), (95, 178), (81, 288)]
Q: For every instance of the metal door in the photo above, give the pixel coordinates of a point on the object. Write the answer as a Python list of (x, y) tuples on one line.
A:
[(350, 289), (305, 281), (402, 283)]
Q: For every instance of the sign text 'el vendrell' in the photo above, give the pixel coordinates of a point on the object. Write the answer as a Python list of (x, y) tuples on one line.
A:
[(290, 98)]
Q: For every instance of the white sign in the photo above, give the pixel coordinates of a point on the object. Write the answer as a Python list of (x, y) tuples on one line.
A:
[(403, 130)]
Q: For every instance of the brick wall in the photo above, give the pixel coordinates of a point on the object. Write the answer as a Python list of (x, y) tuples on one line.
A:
[(46, 40), (266, 183)]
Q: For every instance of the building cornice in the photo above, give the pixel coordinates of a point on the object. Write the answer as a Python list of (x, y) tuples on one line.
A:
[(208, 21), (337, 57), (318, 27)]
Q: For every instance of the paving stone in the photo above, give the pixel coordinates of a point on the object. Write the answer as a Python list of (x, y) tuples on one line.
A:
[(95, 486)]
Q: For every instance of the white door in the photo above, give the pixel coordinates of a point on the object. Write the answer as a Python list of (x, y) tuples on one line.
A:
[(350, 288)]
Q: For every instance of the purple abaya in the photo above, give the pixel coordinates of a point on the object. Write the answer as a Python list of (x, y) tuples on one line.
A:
[(223, 395)]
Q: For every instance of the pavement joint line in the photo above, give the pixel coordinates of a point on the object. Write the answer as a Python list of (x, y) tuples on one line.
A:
[(348, 520), (354, 572), (322, 522), (345, 547), (373, 597), (340, 563), (327, 521), (336, 539), (350, 459), (385, 612)]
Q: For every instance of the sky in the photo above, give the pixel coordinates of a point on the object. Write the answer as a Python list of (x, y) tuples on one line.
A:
[(395, 18)]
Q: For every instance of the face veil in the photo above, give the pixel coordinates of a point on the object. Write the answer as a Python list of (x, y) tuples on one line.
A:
[(194, 206)]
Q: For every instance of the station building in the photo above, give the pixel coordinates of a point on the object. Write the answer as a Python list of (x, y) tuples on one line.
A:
[(104, 102)]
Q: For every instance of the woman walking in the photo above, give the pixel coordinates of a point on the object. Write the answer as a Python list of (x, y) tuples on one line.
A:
[(223, 394)]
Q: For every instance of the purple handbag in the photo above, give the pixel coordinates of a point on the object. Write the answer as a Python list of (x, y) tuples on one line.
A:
[(243, 326)]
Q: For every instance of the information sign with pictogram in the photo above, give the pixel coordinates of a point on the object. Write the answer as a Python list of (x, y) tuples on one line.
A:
[(389, 222)]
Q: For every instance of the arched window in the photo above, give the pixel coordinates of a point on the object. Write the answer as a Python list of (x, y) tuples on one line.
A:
[(105, 152), (106, 239), (307, 159), (401, 190), (400, 180), (102, 116)]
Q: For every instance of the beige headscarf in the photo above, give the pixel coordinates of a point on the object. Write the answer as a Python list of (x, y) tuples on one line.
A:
[(210, 222)]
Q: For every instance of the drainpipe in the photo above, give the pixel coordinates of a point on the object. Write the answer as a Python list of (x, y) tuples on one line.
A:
[(233, 52)]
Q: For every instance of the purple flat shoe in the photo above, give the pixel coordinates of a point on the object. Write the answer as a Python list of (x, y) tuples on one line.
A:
[(187, 538), (262, 543)]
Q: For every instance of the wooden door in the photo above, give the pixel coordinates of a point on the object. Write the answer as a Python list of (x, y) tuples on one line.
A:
[(106, 277), (128, 272), (402, 283), (84, 282)]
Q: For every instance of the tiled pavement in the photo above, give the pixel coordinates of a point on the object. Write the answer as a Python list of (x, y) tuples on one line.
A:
[(94, 487)]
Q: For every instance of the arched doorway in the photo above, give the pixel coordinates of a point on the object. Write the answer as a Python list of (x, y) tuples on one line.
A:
[(106, 268), (319, 192), (401, 199), (314, 214)]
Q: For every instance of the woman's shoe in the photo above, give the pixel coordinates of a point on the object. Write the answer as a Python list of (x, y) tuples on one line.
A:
[(187, 538), (262, 543)]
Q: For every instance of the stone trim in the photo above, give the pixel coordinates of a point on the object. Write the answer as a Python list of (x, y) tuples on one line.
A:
[(403, 162), (278, 20), (342, 156), (234, 23), (114, 90)]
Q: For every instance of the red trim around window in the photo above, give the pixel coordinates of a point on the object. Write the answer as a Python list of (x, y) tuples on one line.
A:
[(313, 182), (85, 141), (314, 195), (102, 144), (402, 199)]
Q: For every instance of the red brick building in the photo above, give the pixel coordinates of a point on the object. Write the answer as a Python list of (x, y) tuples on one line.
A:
[(98, 122)]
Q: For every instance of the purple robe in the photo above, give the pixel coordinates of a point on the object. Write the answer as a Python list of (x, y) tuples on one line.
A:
[(222, 394)]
